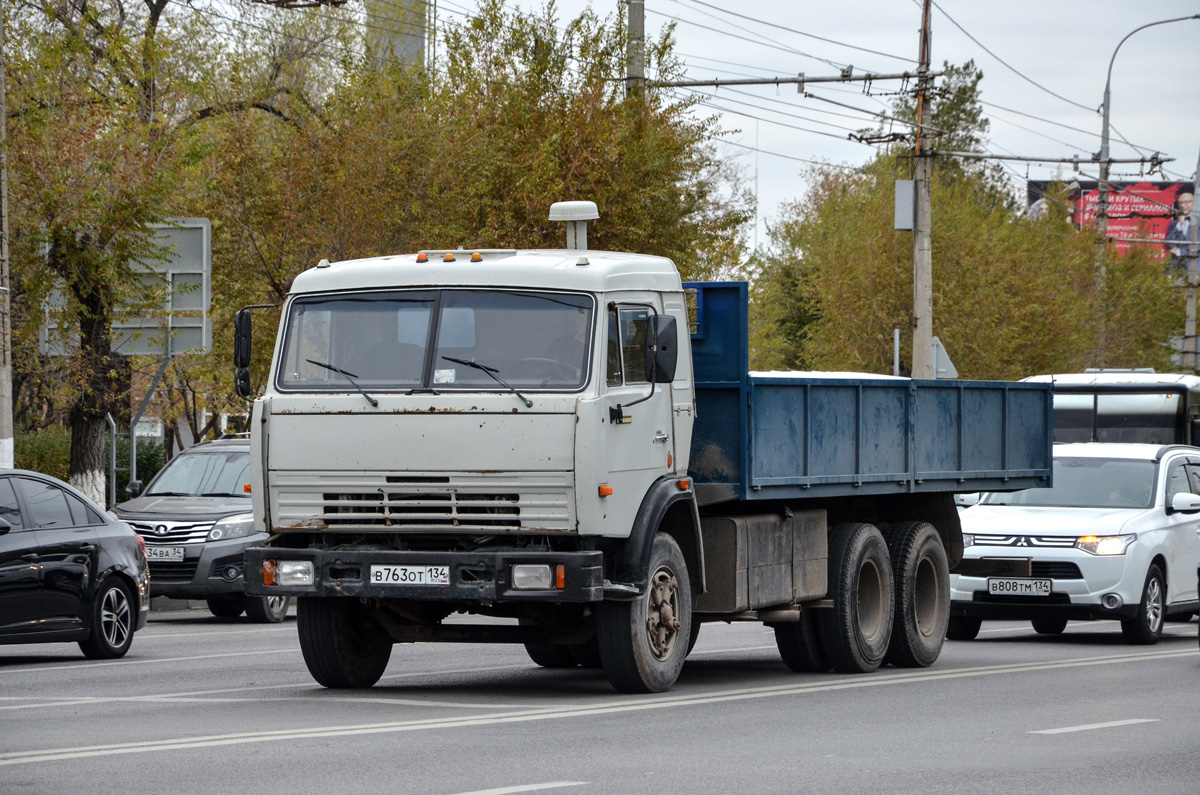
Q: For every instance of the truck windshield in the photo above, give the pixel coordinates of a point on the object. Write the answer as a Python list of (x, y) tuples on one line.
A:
[(225, 473), (1089, 483), (418, 340)]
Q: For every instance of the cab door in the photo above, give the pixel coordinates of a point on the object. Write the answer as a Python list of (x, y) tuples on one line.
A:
[(640, 443)]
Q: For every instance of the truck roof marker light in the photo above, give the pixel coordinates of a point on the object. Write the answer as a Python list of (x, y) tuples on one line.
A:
[(606, 491), (246, 488), (582, 261), (449, 257), (477, 257), (560, 577), (268, 572), (422, 257), (684, 484), (323, 263)]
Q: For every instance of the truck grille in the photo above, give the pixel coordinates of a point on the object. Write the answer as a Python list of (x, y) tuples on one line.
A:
[(483, 503)]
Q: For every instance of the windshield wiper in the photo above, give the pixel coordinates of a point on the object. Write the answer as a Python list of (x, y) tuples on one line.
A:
[(492, 371), (348, 376), (169, 494), (221, 494)]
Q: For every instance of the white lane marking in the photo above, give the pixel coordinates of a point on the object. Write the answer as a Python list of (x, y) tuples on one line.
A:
[(101, 664), (608, 707), (145, 636), (525, 788), (1091, 726)]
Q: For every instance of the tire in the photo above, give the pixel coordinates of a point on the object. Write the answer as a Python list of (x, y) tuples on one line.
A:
[(343, 647), (587, 654), (643, 642), (1049, 626), (267, 609), (225, 608), (921, 578), (1145, 628), (551, 655), (856, 632), (963, 628), (799, 644), (113, 618)]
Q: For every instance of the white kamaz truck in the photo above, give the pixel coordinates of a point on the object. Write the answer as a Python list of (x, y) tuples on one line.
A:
[(571, 440)]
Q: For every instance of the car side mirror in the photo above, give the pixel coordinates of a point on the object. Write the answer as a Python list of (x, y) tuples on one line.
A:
[(662, 349), (241, 339), (1185, 503), (133, 488), (966, 500)]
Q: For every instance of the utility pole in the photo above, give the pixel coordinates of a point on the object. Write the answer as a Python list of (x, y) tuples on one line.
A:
[(636, 74), (1191, 356), (6, 418), (922, 353)]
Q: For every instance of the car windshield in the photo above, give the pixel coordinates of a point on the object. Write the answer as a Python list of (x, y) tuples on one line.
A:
[(216, 473), (1089, 483), (437, 341)]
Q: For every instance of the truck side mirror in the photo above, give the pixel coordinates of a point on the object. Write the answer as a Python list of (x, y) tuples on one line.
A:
[(662, 349), (133, 488), (241, 338), (241, 383)]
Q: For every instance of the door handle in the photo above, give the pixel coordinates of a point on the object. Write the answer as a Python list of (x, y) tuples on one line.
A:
[(662, 438), (31, 557)]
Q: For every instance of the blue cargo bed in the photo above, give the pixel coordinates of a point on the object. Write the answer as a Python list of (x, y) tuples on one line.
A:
[(790, 436)]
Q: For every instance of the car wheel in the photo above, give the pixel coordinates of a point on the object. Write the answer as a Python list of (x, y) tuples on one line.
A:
[(225, 608), (1145, 628), (113, 616), (963, 627), (1049, 626), (267, 609)]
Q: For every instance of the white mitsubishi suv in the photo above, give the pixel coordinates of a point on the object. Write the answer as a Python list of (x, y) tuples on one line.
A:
[(1117, 536)]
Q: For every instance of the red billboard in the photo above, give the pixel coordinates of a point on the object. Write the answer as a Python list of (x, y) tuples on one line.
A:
[(1154, 214)]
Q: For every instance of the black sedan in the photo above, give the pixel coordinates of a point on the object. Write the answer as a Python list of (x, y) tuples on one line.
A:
[(68, 571)]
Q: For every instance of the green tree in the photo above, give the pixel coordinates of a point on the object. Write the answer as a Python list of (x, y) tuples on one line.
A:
[(1013, 296)]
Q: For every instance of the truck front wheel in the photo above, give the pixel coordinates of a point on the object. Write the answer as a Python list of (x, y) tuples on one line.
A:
[(343, 646), (921, 575), (643, 642), (855, 633)]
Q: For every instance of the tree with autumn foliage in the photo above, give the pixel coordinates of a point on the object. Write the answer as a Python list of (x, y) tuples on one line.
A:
[(1013, 295)]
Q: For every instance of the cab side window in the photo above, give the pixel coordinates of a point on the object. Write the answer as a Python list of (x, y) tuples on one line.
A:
[(627, 329), (47, 504), (10, 509)]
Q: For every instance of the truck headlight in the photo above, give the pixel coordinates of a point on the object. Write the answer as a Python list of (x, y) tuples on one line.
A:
[(1106, 545), (236, 526)]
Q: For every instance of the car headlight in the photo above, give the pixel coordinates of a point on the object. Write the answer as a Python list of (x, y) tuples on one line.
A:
[(968, 539), (1106, 545), (237, 526)]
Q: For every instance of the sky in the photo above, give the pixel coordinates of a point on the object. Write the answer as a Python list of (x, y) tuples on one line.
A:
[(1044, 64)]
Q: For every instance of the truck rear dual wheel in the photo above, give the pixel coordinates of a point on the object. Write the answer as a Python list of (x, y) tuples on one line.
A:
[(643, 642), (342, 645), (799, 644), (921, 578), (856, 631)]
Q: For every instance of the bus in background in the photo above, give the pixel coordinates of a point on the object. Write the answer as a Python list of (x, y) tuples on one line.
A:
[(1125, 406)]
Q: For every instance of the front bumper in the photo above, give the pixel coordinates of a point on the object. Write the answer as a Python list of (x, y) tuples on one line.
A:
[(474, 576), (209, 569), (1078, 583)]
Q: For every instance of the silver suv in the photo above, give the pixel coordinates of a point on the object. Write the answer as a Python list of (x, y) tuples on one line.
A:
[(196, 520)]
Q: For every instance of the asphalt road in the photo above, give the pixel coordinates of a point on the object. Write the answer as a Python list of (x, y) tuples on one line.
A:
[(202, 705)]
